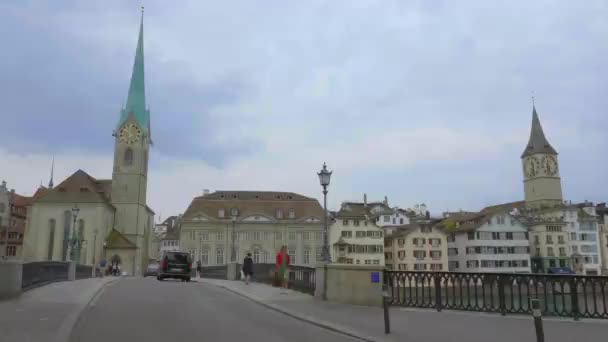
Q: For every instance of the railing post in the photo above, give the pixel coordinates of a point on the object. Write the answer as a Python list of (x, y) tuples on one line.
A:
[(387, 319), (538, 320), (438, 304), (501, 295), (574, 298)]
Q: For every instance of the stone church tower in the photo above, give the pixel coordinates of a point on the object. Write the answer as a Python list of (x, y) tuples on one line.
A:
[(542, 183), (130, 172)]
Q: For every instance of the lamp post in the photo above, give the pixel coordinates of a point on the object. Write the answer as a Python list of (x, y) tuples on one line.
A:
[(233, 238), (324, 178), (72, 243)]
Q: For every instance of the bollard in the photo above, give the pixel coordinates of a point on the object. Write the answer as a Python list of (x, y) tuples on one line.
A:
[(387, 322), (538, 320)]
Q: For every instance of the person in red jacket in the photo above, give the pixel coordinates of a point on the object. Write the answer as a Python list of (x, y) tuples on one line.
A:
[(282, 263)]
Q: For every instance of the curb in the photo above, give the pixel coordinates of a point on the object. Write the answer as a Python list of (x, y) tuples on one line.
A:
[(301, 317), (64, 332)]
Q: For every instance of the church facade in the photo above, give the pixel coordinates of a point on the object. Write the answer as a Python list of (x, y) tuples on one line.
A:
[(85, 219)]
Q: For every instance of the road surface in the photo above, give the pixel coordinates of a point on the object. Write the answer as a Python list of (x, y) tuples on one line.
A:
[(136, 309)]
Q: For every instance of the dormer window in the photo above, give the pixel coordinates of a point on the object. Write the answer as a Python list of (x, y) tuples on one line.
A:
[(277, 197), (220, 213), (222, 195), (289, 197), (235, 196)]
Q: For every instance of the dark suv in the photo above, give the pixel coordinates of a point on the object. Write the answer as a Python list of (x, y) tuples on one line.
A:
[(176, 265)]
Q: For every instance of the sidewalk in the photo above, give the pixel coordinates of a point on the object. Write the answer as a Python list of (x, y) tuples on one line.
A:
[(415, 324), (48, 313)]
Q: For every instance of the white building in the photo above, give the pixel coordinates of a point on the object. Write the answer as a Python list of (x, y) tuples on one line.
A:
[(354, 238), (602, 213), (583, 237), (487, 242)]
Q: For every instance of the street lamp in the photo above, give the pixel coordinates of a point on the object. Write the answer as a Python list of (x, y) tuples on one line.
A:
[(324, 178), (72, 244)]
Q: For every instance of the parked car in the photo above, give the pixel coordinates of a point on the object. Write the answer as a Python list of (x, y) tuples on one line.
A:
[(177, 265), (152, 269)]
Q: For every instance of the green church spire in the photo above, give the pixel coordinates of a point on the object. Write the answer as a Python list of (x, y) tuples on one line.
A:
[(136, 100)]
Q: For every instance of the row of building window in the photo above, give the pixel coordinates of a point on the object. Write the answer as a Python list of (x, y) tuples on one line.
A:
[(490, 263), (562, 251), (494, 236), (420, 242), (256, 236), (11, 250), (356, 223), (492, 250), (549, 239), (362, 233), (416, 254), (358, 261), (420, 267), (361, 249), (278, 213)]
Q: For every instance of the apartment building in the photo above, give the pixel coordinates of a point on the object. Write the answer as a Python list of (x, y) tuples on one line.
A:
[(487, 242), (354, 237), (417, 247)]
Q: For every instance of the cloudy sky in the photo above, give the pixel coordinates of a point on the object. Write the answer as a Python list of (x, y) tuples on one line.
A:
[(422, 101)]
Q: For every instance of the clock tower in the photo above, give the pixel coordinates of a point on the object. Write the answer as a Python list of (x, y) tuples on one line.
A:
[(542, 183), (130, 172)]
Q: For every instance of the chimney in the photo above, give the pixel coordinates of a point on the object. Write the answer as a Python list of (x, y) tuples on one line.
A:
[(385, 200), (428, 215), (205, 192), (3, 185), (365, 200)]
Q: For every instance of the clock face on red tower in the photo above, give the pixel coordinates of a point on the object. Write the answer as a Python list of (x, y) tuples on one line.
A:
[(129, 134)]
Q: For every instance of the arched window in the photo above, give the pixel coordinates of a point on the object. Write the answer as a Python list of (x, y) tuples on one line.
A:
[(67, 218), (51, 239), (128, 157)]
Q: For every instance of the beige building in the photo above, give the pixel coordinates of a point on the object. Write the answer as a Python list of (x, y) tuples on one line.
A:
[(256, 222), (13, 214), (113, 220), (354, 238), (602, 213), (417, 247)]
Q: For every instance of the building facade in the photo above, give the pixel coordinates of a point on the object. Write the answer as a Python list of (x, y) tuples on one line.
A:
[(221, 227), (602, 213), (113, 220), (13, 214), (487, 242), (417, 247), (354, 237)]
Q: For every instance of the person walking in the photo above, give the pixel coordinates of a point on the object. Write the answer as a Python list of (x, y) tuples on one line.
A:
[(282, 263), (247, 268), (199, 268)]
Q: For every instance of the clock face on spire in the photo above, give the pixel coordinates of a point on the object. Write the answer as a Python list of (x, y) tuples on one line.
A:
[(531, 167), (549, 165), (130, 134)]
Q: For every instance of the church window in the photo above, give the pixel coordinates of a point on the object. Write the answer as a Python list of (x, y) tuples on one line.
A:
[(128, 157), (51, 239)]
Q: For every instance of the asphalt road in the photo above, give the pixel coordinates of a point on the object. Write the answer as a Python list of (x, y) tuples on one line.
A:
[(136, 309)]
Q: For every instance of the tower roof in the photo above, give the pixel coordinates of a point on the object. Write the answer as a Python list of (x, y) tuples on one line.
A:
[(537, 143), (136, 99)]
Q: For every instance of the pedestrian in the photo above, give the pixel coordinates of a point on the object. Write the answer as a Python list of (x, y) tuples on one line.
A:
[(115, 269), (247, 268), (282, 263), (199, 268)]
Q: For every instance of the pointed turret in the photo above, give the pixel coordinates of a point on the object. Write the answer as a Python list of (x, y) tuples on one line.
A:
[(136, 99), (52, 169), (537, 143)]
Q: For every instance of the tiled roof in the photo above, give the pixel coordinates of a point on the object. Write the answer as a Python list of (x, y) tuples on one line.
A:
[(247, 203), (21, 201), (80, 187)]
